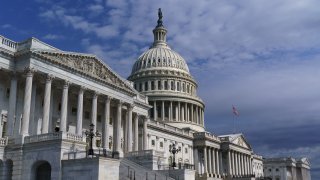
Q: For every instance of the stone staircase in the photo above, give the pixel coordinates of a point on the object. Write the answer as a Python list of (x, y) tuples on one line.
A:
[(130, 170)]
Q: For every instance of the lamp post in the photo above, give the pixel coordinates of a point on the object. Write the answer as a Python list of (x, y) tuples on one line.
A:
[(91, 134), (174, 151)]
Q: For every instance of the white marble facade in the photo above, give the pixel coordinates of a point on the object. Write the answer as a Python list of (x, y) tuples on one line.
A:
[(49, 97)]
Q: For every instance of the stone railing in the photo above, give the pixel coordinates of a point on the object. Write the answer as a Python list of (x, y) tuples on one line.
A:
[(144, 153), (54, 136), (3, 141), (202, 135), (7, 43), (171, 128)]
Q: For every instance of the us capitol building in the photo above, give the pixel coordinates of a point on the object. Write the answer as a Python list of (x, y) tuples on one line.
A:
[(49, 98)]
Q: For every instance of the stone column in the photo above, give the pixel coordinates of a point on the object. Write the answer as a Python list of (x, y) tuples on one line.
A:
[(155, 114), (179, 114), (196, 159), (209, 160), (94, 111), (27, 102), (205, 160), (237, 163), (192, 116), (217, 161), (171, 112), (117, 128), (129, 145), (46, 105), (242, 164), (80, 111), (162, 110), (246, 165), (105, 124), (64, 107), (136, 133), (185, 112), (214, 160), (145, 136), (12, 104), (233, 163), (229, 162), (197, 114)]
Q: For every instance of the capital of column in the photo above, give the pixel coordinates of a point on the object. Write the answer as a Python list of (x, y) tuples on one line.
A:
[(49, 78), (29, 71), (66, 84), (130, 107)]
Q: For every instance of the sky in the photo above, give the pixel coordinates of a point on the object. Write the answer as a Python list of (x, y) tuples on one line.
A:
[(261, 56)]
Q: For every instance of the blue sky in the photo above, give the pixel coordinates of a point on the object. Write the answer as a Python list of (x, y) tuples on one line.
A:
[(261, 56)]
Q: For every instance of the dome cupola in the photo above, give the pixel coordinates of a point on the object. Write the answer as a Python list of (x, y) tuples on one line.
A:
[(163, 75)]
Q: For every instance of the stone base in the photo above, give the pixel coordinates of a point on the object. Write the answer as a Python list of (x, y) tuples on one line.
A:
[(90, 168)]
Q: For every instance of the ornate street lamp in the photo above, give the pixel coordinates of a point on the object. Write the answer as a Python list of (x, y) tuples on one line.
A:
[(91, 134), (174, 151)]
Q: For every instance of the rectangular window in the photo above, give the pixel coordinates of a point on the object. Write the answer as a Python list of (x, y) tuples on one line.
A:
[(153, 143)]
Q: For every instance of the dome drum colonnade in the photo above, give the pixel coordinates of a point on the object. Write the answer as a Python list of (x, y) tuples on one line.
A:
[(163, 75)]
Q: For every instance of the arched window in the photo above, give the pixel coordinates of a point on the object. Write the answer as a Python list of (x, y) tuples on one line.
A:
[(140, 87), (178, 86), (166, 85), (152, 85), (146, 86), (159, 85), (183, 87), (172, 85)]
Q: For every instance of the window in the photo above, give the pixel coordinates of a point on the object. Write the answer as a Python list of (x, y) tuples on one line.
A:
[(270, 170), (153, 142), (146, 86), (140, 87), (166, 85), (161, 144), (277, 169), (172, 85), (135, 86), (110, 121), (183, 87), (159, 85), (152, 85), (178, 86), (59, 107), (186, 150)]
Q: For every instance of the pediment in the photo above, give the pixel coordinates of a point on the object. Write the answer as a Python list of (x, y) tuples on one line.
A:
[(241, 141), (88, 64)]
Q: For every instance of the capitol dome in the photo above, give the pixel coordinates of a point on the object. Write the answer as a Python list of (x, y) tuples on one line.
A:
[(163, 75), (160, 58)]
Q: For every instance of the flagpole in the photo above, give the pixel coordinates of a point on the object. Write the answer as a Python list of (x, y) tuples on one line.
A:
[(234, 125)]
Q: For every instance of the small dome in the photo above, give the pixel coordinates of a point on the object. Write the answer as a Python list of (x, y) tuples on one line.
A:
[(160, 58)]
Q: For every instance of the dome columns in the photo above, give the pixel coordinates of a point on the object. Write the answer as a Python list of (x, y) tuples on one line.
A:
[(176, 111)]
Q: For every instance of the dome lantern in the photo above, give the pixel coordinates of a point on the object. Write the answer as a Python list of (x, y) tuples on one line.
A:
[(160, 33)]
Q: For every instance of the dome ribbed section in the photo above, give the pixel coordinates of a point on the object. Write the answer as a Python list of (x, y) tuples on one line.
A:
[(160, 58)]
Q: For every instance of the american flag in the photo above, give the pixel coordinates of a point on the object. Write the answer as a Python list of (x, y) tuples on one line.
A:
[(235, 111)]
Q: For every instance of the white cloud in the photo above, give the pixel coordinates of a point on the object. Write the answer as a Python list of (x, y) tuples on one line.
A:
[(260, 55), (52, 37)]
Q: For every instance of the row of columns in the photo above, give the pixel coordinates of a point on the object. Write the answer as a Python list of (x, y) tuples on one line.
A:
[(184, 112), (212, 161), (180, 86), (240, 164), (29, 72)]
